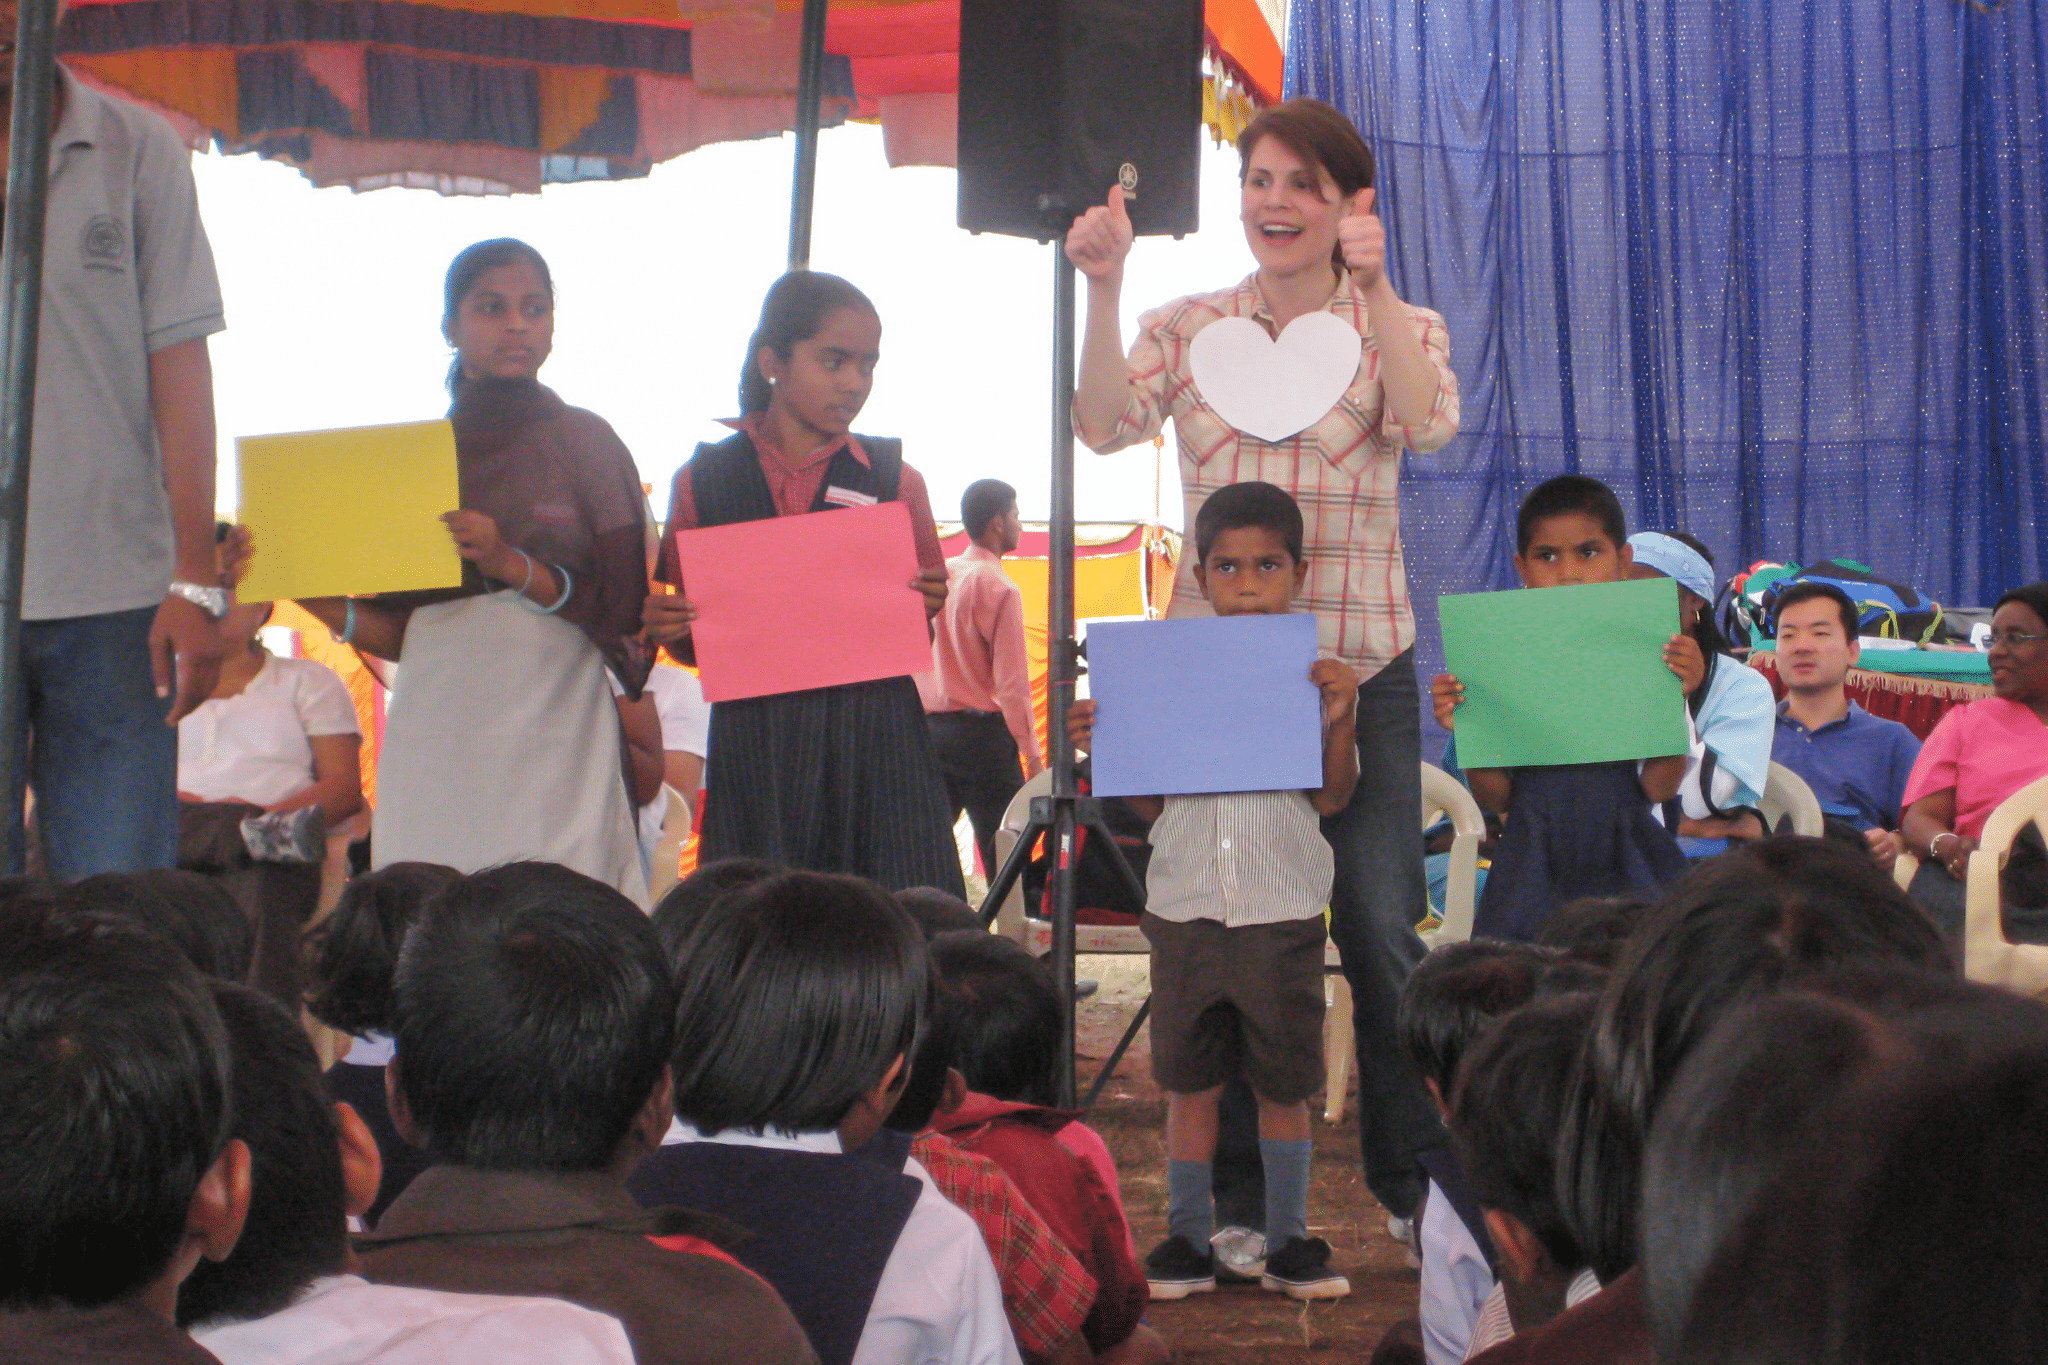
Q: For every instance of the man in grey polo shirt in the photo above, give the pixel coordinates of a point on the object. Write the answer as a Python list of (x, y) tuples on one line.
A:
[(122, 594)]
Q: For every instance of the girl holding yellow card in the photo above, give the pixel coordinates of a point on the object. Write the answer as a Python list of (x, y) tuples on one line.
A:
[(503, 739)]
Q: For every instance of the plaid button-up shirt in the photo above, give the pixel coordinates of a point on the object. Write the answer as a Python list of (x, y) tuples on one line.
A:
[(1344, 470)]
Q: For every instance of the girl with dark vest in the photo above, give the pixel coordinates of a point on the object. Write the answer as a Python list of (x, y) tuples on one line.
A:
[(835, 779)]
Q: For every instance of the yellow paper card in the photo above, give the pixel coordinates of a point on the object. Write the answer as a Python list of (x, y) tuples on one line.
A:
[(349, 513)]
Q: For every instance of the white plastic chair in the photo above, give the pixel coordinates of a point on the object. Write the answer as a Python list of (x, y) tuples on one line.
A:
[(1987, 955), (1443, 796), (1786, 794), (668, 850)]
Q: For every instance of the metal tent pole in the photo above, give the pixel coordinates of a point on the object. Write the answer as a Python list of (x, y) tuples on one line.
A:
[(1063, 663), (28, 185), (810, 94)]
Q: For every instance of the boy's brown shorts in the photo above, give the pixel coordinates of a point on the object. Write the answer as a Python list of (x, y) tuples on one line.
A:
[(1245, 1000)]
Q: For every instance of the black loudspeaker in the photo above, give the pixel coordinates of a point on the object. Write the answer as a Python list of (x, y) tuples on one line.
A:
[(1061, 98)]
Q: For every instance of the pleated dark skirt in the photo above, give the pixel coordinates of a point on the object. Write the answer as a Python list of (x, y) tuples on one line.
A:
[(839, 779), (1573, 831)]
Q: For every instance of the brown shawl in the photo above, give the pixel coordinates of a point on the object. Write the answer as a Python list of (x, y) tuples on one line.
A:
[(562, 487)]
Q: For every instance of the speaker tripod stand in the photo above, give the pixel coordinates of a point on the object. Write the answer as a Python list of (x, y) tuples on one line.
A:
[(1062, 815)]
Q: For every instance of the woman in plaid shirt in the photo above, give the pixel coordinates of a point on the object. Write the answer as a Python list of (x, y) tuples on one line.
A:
[(1307, 210)]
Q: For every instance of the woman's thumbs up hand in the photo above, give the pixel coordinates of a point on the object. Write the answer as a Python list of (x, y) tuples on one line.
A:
[(1363, 240), (1099, 239)]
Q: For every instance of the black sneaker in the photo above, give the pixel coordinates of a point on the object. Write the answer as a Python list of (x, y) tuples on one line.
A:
[(1300, 1269), (1175, 1269)]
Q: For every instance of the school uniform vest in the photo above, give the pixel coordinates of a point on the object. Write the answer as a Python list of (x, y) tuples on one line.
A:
[(727, 483), (823, 1224), (835, 779)]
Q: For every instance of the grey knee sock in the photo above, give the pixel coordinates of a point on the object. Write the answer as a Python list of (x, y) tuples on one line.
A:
[(1286, 1166), (1191, 1202)]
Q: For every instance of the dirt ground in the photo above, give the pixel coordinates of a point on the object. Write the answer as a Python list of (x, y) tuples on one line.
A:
[(1240, 1322)]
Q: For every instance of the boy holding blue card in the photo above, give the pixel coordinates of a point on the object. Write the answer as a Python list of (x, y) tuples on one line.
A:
[(1237, 887)]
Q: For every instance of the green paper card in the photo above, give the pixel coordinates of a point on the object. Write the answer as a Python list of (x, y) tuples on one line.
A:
[(1565, 675)]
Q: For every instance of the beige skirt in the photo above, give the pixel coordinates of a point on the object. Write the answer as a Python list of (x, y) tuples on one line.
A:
[(502, 743)]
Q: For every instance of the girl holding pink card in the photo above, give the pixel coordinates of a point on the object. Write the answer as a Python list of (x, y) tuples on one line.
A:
[(832, 779)]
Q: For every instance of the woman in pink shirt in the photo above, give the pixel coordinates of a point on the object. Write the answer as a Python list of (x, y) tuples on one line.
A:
[(1979, 755)]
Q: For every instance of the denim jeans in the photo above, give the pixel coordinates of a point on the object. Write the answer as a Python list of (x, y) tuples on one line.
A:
[(1379, 896), (103, 763)]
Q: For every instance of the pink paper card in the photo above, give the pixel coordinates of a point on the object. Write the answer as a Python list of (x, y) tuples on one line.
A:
[(787, 604)]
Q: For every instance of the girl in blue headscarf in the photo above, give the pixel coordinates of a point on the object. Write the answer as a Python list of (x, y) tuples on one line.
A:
[(1731, 708)]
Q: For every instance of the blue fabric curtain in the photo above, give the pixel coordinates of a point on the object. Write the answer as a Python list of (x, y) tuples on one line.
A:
[(1776, 270)]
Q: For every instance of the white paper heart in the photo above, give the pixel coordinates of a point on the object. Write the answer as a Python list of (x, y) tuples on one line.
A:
[(1273, 389)]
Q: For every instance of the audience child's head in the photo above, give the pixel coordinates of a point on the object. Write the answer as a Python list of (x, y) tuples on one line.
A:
[(938, 912), (798, 1009), (996, 1004), (533, 1012), (1455, 993), (935, 1085), (1742, 1102), (351, 955), (117, 1169), (2019, 672), (1504, 1119), (1754, 921), (678, 911), (1593, 929), (1817, 635), (1571, 530), (1895, 1218), (1685, 560), (194, 913), (498, 311), (311, 1164), (812, 356), (989, 507), (1248, 548)]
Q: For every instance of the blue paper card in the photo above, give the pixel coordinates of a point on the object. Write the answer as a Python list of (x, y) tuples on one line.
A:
[(1206, 704)]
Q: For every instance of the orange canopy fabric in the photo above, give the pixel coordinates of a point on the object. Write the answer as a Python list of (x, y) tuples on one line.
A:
[(502, 96)]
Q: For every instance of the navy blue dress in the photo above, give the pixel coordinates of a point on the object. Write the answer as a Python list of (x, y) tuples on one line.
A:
[(1581, 829)]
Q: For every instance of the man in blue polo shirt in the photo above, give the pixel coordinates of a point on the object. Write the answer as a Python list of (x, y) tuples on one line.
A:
[(1856, 763)]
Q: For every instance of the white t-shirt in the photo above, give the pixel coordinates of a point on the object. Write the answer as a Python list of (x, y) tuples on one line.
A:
[(939, 1301), (253, 746), (1456, 1280), (685, 728), (345, 1320)]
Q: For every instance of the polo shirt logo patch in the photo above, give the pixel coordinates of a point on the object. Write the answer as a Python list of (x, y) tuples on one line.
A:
[(847, 497), (104, 244)]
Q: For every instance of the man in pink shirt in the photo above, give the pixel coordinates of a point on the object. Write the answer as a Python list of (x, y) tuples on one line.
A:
[(977, 699)]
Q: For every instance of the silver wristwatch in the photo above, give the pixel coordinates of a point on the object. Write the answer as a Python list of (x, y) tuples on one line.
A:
[(212, 601)]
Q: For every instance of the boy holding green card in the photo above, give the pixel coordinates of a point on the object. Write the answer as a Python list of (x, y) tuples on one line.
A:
[(1575, 829)]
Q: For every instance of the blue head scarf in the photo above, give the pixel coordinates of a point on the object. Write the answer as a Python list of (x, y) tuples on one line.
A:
[(1675, 559)]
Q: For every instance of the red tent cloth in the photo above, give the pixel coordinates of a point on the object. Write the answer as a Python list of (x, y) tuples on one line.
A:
[(498, 96)]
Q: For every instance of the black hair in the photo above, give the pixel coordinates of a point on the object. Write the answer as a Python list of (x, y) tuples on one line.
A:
[(193, 912), (997, 1004), (1754, 920), (1237, 506), (928, 1065), (1455, 992), (1570, 493), (351, 954), (982, 503), (533, 1013), (1807, 591), (796, 307), (115, 1076), (679, 909), (938, 912), (1593, 929), (795, 996), (1894, 1227), (297, 1228), (468, 267), (1505, 1113), (2033, 596)]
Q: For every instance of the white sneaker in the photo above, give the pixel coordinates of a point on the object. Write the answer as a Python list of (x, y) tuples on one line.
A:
[(1402, 1230), (1240, 1254)]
